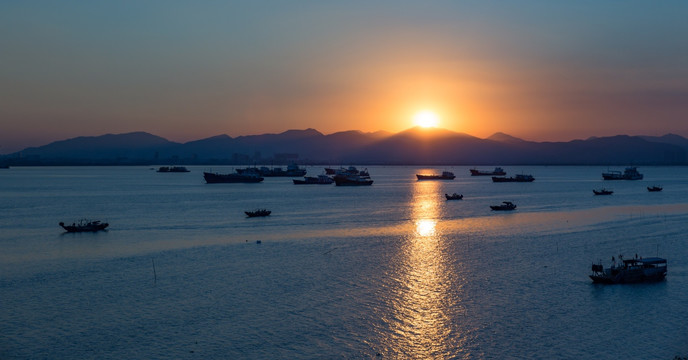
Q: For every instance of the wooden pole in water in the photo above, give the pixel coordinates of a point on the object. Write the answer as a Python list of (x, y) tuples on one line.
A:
[(155, 274)]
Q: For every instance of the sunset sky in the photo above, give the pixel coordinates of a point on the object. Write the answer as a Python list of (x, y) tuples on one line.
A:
[(186, 70)]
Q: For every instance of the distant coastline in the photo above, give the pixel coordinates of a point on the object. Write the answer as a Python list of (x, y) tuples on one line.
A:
[(415, 146)]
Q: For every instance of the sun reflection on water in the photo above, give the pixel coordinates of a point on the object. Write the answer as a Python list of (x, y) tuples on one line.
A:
[(425, 298), (426, 227)]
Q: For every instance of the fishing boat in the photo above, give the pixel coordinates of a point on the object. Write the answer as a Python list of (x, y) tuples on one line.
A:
[(654, 188), (320, 180), (602, 191), (216, 178), (630, 271), (453, 196), (172, 169), (505, 206), (517, 178), (630, 173), (85, 226), (446, 175), (258, 213), (496, 172)]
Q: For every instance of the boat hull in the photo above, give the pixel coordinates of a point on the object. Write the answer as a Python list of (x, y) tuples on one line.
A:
[(626, 277), (434, 177), (85, 228), (260, 213), (353, 183)]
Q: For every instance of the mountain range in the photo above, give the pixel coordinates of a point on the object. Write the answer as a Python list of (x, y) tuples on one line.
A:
[(415, 146)]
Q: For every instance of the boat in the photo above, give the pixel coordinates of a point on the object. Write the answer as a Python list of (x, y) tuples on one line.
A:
[(506, 205), (352, 180), (351, 170), (517, 178), (654, 188), (258, 213), (4, 166), (630, 173), (453, 196), (320, 180), (496, 172), (630, 271), (215, 178), (602, 191), (85, 226), (176, 169), (446, 175), (292, 171)]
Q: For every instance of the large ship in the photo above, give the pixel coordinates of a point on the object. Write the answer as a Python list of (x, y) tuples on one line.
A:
[(215, 178), (360, 179), (496, 172), (630, 173), (446, 175), (517, 178), (630, 271)]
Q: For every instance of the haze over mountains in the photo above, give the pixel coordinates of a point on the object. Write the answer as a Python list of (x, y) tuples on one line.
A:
[(415, 146)]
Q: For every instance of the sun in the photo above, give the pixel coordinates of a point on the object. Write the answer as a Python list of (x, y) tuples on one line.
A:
[(426, 119)]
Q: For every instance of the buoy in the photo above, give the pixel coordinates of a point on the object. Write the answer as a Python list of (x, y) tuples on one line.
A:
[(258, 242)]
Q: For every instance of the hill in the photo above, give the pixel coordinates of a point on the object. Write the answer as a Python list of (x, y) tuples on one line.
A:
[(309, 146)]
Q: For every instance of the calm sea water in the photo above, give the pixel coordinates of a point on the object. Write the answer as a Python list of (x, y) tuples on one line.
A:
[(390, 271)]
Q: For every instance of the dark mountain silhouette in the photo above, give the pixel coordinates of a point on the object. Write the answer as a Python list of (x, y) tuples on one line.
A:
[(413, 146), (96, 149), (672, 139)]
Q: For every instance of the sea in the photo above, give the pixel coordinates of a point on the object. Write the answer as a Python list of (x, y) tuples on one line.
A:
[(388, 271)]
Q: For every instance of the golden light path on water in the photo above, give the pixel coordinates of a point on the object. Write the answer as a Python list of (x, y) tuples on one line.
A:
[(423, 298)]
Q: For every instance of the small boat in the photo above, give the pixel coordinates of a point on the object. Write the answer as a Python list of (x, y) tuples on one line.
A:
[(630, 173), (496, 172), (602, 191), (320, 180), (85, 226), (506, 205), (173, 169), (215, 178), (517, 178), (630, 271), (654, 188), (258, 213), (446, 175), (453, 196)]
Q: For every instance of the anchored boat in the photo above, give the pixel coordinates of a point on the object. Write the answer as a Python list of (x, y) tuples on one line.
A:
[(85, 226), (446, 175), (630, 173), (630, 271)]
